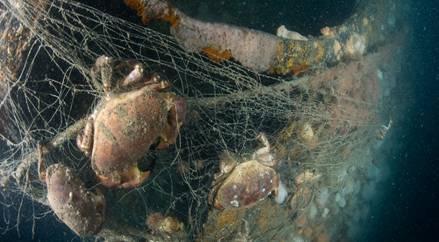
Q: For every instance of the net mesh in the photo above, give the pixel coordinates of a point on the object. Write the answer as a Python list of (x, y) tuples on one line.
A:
[(316, 122)]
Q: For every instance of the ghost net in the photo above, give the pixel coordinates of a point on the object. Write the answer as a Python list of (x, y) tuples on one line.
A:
[(315, 122)]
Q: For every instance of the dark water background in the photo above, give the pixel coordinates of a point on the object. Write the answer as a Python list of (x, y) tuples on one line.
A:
[(409, 211)]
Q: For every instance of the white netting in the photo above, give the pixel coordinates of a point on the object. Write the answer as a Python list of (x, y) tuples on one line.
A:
[(228, 104)]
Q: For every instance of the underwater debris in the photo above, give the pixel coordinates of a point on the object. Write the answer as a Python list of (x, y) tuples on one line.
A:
[(227, 54), (328, 32), (307, 176), (382, 131), (158, 223), (283, 32), (307, 135), (355, 46), (263, 52), (282, 193)]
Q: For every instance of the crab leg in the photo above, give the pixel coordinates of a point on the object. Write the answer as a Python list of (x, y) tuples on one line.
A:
[(42, 151)]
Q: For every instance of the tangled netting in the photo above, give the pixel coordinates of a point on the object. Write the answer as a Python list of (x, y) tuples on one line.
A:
[(228, 106)]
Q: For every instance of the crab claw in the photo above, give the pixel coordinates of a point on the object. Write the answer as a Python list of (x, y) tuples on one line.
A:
[(180, 110), (80, 209), (128, 179), (176, 118)]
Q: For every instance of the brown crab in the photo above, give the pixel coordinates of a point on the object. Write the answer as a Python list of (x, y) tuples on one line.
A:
[(136, 114), (244, 184), (81, 209)]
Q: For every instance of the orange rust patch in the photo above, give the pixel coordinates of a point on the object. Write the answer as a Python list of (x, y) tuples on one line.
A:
[(167, 13), (137, 6), (172, 18), (298, 69), (217, 55)]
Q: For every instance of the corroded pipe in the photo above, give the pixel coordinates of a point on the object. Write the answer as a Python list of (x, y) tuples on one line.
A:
[(263, 52)]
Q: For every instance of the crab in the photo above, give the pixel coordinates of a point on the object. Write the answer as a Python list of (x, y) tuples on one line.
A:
[(81, 209), (246, 183), (136, 114)]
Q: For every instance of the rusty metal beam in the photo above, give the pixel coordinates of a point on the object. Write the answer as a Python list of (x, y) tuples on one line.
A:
[(264, 52)]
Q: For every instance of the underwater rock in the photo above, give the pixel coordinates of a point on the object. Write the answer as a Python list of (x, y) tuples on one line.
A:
[(307, 176), (340, 200), (281, 194), (158, 223), (283, 32), (313, 211), (323, 197), (325, 212), (301, 198), (355, 46)]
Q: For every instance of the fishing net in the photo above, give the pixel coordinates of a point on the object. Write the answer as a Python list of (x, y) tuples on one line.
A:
[(314, 122)]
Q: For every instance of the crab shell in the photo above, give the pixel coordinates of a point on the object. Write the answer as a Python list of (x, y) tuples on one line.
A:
[(80, 209), (248, 183), (126, 126)]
